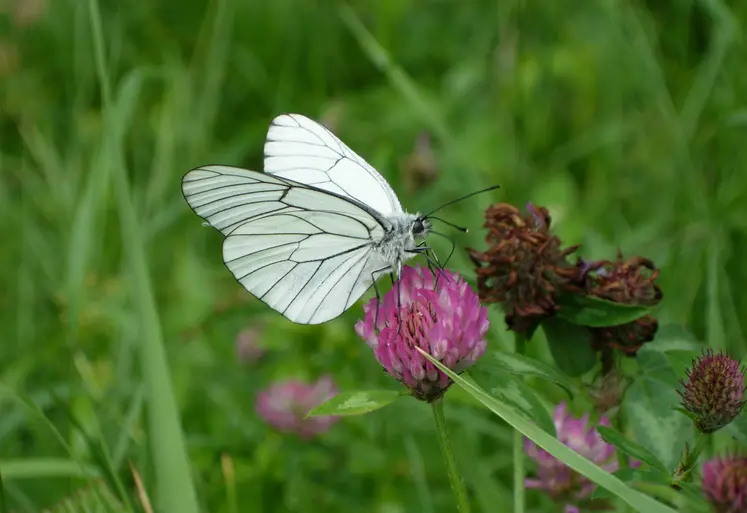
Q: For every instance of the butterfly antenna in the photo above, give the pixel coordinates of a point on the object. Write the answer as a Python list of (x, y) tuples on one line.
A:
[(493, 187), (461, 229)]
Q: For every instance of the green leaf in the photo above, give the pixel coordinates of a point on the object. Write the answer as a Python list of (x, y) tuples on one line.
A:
[(355, 403), (597, 313), (660, 484), (570, 345), (46, 468), (694, 494), (174, 486), (508, 389), (634, 476), (3, 504), (737, 428), (631, 448), (680, 360), (555, 448), (514, 363), (649, 406), (673, 337)]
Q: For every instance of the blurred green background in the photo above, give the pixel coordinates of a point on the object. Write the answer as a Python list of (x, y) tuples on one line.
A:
[(627, 119)]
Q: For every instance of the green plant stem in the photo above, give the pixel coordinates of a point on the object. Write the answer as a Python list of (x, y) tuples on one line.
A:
[(700, 442), (682, 473), (518, 442), (457, 486), (519, 473)]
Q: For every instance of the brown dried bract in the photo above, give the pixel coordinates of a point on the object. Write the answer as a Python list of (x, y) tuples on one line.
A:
[(629, 282), (524, 267)]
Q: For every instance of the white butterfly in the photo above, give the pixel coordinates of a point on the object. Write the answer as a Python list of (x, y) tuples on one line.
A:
[(311, 234)]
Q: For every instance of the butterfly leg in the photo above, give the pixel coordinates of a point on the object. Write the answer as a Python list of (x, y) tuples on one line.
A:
[(432, 267), (378, 302), (399, 296), (435, 266), (376, 290)]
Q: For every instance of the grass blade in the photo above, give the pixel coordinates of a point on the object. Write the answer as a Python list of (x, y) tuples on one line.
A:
[(174, 488)]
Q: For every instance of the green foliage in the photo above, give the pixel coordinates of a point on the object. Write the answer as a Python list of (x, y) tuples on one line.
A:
[(631, 448), (570, 345), (596, 312), (557, 449), (355, 403), (118, 323), (520, 365), (650, 404)]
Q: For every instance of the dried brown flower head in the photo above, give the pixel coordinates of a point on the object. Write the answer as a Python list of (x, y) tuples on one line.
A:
[(524, 267), (628, 282)]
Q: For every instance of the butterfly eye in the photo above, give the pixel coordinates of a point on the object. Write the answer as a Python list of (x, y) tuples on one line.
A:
[(418, 227)]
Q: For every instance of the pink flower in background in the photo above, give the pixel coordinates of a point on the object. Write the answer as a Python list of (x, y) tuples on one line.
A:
[(248, 348), (446, 321), (555, 477), (725, 483), (285, 404)]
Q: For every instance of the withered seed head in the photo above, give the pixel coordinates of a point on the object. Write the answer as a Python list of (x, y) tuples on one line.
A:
[(524, 267), (628, 282)]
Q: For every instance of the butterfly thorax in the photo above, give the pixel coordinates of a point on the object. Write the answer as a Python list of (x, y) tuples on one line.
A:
[(399, 242)]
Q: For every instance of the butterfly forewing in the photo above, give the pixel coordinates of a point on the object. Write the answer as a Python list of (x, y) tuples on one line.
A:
[(306, 253), (305, 151), (227, 197)]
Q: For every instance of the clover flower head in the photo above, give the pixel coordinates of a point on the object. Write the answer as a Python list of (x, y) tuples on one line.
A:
[(442, 316), (284, 405), (713, 391), (557, 479)]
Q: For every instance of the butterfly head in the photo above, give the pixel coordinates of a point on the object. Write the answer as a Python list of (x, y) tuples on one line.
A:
[(420, 227)]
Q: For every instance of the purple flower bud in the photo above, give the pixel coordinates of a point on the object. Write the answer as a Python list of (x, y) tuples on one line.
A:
[(555, 477), (714, 391), (725, 483), (446, 321), (285, 404)]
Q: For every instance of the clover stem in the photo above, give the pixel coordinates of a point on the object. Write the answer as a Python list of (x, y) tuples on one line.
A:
[(457, 485), (518, 443)]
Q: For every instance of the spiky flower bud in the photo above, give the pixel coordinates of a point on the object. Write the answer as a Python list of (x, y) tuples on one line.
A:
[(713, 391), (444, 320), (628, 282), (725, 483), (524, 267)]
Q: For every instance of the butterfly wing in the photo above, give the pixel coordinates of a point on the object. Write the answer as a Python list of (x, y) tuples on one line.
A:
[(306, 253), (305, 151)]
